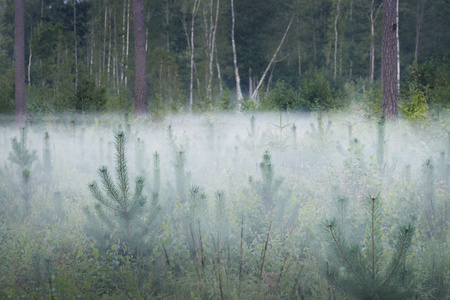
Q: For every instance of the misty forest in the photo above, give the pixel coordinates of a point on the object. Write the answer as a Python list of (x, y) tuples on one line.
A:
[(224, 149)]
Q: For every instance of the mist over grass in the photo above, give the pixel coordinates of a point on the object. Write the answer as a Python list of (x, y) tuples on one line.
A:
[(315, 159)]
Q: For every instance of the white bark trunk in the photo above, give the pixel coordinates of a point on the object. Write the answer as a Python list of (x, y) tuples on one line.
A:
[(272, 60), (212, 50), (338, 12), (191, 84), (236, 69), (398, 52)]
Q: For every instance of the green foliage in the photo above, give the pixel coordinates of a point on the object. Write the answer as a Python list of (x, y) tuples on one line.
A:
[(429, 82), (318, 94), (282, 97), (417, 108), (89, 96), (362, 270)]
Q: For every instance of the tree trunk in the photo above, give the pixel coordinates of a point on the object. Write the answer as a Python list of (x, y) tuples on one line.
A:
[(167, 25), (29, 57), (338, 12), (372, 18), (104, 37), (128, 43), (353, 39), (108, 67), (272, 60), (116, 54), (19, 63), (75, 40), (140, 108), (398, 48), (191, 84), (419, 15), (389, 59), (122, 63), (211, 50), (236, 69)]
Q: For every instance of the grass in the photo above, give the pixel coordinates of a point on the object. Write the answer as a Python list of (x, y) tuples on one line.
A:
[(251, 251)]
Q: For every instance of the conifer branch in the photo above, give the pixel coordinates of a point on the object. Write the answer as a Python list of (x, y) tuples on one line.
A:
[(402, 248), (111, 189), (343, 255)]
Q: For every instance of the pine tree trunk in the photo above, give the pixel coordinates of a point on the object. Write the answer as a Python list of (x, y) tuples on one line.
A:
[(389, 60), (236, 69), (140, 108), (19, 63)]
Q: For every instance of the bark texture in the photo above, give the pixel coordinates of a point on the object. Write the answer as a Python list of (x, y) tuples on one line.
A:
[(389, 60), (140, 106), (19, 63)]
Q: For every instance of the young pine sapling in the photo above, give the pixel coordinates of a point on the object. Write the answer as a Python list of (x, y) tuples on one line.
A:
[(128, 210)]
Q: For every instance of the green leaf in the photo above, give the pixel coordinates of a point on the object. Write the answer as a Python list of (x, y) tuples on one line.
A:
[(95, 253)]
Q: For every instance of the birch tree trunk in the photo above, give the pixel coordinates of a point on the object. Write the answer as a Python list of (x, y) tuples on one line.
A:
[(398, 47), (75, 40), (140, 108), (389, 59), (236, 69), (272, 60), (104, 37), (372, 17), (419, 15), (128, 43), (212, 50), (19, 63), (29, 57), (338, 12), (191, 83)]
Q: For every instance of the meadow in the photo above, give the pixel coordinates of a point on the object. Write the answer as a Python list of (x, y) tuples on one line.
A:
[(225, 206)]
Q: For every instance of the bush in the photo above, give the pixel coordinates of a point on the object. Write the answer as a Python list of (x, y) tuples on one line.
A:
[(318, 94), (282, 97)]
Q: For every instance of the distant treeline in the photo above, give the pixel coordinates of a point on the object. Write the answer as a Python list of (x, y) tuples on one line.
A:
[(80, 54)]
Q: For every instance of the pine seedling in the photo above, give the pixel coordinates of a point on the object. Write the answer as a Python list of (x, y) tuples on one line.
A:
[(360, 271), (139, 156), (24, 160), (222, 222), (280, 141), (20, 154), (322, 131), (46, 157), (127, 208), (294, 136), (269, 184), (194, 216), (428, 172), (156, 173), (381, 143), (182, 177)]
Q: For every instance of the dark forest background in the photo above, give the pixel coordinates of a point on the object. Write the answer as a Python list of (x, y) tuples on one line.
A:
[(324, 62)]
